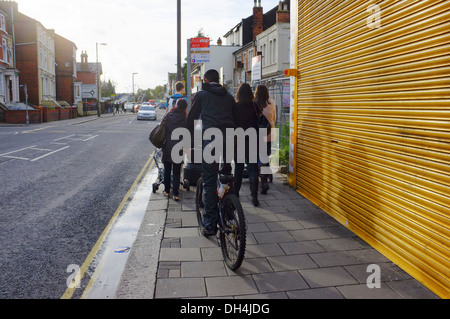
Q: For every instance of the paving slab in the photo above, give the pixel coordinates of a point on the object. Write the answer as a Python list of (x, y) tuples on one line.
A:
[(294, 251), (180, 254), (327, 277), (230, 286), (280, 281), (180, 288)]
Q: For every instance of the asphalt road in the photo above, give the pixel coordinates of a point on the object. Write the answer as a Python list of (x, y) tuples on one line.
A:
[(60, 184)]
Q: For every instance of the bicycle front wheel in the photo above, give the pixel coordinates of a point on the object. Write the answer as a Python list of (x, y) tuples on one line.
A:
[(199, 204), (233, 236)]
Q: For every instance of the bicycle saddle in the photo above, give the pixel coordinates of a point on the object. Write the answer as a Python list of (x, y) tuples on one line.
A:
[(225, 179)]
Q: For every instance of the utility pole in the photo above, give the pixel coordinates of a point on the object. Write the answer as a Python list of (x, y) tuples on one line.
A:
[(189, 84), (179, 69), (97, 78)]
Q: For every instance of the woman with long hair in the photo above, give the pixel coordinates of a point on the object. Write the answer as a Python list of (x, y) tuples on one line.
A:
[(267, 107), (246, 120)]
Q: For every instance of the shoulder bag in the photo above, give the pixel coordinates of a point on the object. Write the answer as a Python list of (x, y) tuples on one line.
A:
[(158, 134), (261, 119)]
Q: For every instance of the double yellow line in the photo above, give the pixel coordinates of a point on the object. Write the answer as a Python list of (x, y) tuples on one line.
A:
[(84, 268)]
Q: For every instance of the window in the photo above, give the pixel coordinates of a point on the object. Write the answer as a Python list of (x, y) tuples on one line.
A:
[(264, 55), (41, 53), (4, 49), (275, 51), (2, 22), (2, 91), (270, 52)]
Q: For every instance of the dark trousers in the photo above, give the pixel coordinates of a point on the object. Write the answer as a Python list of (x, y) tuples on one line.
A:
[(252, 169), (170, 168), (210, 172), (264, 177)]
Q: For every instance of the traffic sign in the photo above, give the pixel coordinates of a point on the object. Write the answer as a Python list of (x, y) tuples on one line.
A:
[(200, 50), (197, 43)]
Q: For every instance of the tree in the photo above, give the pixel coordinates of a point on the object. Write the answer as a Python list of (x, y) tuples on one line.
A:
[(108, 88)]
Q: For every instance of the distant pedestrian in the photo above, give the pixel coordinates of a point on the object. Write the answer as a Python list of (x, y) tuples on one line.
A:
[(172, 171), (267, 107), (247, 119)]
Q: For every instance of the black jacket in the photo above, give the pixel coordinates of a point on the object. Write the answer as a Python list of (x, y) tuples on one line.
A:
[(247, 115), (247, 119), (175, 119), (214, 106)]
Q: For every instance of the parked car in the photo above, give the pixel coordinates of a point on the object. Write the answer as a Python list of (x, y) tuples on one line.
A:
[(129, 106), (146, 112), (162, 104)]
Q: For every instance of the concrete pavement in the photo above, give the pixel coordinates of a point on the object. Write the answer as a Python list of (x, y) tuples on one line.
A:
[(294, 251)]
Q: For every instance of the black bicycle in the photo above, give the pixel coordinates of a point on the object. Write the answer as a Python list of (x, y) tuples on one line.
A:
[(231, 225)]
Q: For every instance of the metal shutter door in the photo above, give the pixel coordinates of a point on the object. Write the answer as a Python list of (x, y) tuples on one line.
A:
[(373, 123)]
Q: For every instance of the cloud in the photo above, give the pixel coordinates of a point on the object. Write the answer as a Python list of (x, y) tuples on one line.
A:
[(141, 35)]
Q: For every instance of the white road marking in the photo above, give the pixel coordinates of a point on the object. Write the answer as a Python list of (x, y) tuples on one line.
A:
[(48, 154)]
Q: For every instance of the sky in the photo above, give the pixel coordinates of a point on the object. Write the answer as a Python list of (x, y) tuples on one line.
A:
[(140, 35)]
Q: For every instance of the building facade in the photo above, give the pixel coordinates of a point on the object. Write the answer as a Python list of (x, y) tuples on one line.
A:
[(35, 58), (262, 34), (66, 70), (87, 79), (9, 76), (274, 44), (221, 59)]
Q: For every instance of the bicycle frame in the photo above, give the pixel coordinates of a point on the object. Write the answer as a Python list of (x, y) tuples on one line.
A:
[(231, 227)]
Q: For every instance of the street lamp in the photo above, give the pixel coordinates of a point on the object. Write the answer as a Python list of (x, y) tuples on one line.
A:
[(26, 101), (132, 80), (179, 67), (97, 76)]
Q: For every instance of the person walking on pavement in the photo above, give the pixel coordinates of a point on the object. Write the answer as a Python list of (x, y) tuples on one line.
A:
[(171, 101), (217, 109), (176, 118), (247, 119), (267, 107)]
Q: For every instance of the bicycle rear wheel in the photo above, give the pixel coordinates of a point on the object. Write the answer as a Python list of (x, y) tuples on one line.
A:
[(233, 236), (199, 204)]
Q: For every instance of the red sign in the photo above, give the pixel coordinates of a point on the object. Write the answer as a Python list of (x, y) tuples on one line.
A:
[(199, 43)]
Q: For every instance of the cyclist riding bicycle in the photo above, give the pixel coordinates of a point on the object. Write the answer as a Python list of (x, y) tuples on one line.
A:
[(216, 108)]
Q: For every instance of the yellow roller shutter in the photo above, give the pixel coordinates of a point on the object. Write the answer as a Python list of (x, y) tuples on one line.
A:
[(373, 125)]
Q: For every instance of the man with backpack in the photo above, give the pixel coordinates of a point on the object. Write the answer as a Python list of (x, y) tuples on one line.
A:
[(172, 101)]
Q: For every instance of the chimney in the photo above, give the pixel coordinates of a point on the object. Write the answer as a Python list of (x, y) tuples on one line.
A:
[(283, 15), (84, 60), (258, 19)]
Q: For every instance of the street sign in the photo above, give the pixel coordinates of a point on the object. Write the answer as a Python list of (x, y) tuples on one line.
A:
[(256, 68), (200, 43), (89, 91), (200, 50)]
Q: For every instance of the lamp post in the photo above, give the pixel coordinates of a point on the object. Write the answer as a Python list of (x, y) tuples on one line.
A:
[(179, 67), (132, 80), (97, 77), (26, 101)]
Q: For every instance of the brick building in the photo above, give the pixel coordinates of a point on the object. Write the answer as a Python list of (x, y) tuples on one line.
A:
[(34, 53), (66, 71), (264, 34), (87, 78), (9, 78)]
